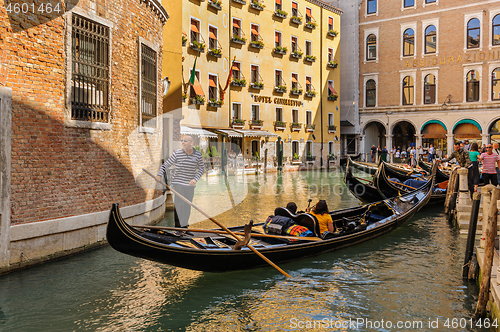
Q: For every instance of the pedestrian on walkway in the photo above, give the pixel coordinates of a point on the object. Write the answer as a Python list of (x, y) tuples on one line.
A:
[(490, 160), (374, 152), (497, 152), (473, 154), (189, 167), (430, 156), (383, 153)]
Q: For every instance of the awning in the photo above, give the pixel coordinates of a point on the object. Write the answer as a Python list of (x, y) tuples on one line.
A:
[(256, 133), (197, 132), (236, 23), (230, 133), (330, 20), (194, 27), (254, 30)]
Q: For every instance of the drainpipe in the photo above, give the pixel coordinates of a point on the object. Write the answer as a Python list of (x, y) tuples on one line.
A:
[(321, 79)]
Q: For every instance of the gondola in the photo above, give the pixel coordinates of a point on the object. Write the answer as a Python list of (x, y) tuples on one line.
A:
[(441, 175), (362, 189), (362, 166), (206, 252), (388, 186)]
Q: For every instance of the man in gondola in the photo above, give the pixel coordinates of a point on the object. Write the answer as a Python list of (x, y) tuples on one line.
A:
[(189, 167)]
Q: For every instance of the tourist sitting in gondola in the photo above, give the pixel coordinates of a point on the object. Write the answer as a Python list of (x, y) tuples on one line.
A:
[(321, 212)]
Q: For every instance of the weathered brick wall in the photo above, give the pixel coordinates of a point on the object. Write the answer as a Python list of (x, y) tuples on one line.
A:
[(57, 170)]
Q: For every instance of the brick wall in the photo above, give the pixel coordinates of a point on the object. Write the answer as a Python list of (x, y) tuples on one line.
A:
[(58, 170)]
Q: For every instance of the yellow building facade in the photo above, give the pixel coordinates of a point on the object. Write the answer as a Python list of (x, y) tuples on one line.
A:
[(264, 70)]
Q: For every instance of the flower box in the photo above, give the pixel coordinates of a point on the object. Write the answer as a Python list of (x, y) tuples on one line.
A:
[(295, 126), (257, 44), (243, 2), (296, 92), (215, 52), (238, 40), (310, 128), (310, 58), (296, 54), (256, 124), (280, 89), (215, 4), (310, 158), (279, 125), (198, 47), (332, 64), (296, 20), (310, 25), (333, 97), (214, 103), (280, 14), (332, 129), (240, 83), (332, 33), (198, 100), (257, 85), (257, 5), (280, 50), (310, 94), (238, 124), (184, 40)]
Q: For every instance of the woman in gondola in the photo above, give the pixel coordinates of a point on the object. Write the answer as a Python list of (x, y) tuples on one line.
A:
[(321, 212)]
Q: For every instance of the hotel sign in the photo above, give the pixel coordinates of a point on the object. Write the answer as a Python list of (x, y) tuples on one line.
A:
[(461, 58), (277, 101)]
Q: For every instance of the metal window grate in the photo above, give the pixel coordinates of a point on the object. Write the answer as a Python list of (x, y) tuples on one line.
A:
[(148, 86), (90, 70)]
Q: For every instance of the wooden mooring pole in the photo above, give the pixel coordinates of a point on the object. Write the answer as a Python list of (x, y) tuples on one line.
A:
[(476, 200), (491, 232), (452, 193)]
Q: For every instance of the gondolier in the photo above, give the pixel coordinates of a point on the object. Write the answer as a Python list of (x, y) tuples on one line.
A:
[(189, 167)]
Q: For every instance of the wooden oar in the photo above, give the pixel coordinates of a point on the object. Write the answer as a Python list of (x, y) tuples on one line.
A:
[(214, 231), (400, 184), (218, 224)]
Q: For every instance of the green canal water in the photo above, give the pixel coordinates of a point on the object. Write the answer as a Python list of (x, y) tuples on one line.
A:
[(407, 280)]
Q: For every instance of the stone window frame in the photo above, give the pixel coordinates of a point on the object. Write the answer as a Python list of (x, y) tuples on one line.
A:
[(403, 8), (404, 26), (282, 115), (425, 4), (142, 41), (371, 14), (68, 18), (328, 25), (257, 108), (240, 110), (491, 66), (402, 74), (217, 91), (291, 80), (280, 33), (493, 13), (332, 144), (367, 32), (467, 18), (305, 117), (366, 78), (333, 119), (434, 71), (425, 24), (305, 47), (477, 66)]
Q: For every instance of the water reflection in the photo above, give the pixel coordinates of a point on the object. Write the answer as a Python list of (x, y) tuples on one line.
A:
[(410, 274)]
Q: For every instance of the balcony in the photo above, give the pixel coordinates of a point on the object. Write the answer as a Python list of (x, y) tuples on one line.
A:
[(332, 64), (257, 5), (280, 88), (242, 2), (279, 125), (197, 100), (295, 19), (257, 44), (296, 54), (280, 50), (215, 4), (333, 97), (310, 94), (238, 124), (295, 126), (310, 58), (280, 13), (238, 40), (296, 91), (257, 85), (239, 83), (332, 129), (256, 124), (310, 128), (197, 46)]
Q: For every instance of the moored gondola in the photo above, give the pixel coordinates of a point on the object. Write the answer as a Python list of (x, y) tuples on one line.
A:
[(343, 161), (390, 186), (441, 175), (206, 252), (362, 189)]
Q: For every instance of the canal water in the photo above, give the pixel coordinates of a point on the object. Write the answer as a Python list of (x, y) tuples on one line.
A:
[(407, 280)]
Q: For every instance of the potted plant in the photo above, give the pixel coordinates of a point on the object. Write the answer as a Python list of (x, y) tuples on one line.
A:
[(279, 124), (310, 58), (296, 54), (256, 122), (310, 127), (332, 157), (255, 4), (310, 93), (214, 102), (280, 13), (238, 39), (296, 19), (258, 85), (332, 127), (280, 50), (238, 121), (295, 157), (333, 96), (184, 96), (197, 46), (184, 40), (332, 33), (311, 25), (216, 4), (238, 82), (280, 88), (257, 43), (296, 125), (333, 64), (216, 52), (296, 91), (198, 100), (309, 157)]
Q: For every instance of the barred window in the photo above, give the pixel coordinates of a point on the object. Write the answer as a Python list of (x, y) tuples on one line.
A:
[(148, 86), (90, 70)]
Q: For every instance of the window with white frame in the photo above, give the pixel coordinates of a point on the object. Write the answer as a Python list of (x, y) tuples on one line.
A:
[(309, 87), (213, 43), (330, 23), (309, 149), (308, 47), (279, 114), (371, 7), (371, 47), (409, 42), (495, 84), (236, 111), (472, 86), (254, 73), (495, 28), (331, 119), (408, 90), (195, 30), (295, 116), (278, 78), (277, 38), (331, 148), (295, 81), (429, 89), (308, 117), (254, 28), (473, 33), (430, 40), (370, 93), (295, 9), (294, 43), (213, 95), (255, 112), (237, 28), (408, 3)]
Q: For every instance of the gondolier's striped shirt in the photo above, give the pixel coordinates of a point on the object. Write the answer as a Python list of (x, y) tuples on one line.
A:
[(187, 166)]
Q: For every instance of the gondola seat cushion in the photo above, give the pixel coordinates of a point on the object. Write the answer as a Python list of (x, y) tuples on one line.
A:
[(303, 219), (297, 230), (414, 183), (277, 224)]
